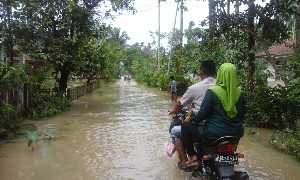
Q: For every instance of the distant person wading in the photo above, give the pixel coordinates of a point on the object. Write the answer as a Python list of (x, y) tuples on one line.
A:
[(173, 89)]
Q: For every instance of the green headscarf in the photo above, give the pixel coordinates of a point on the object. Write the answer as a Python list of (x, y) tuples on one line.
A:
[(227, 89)]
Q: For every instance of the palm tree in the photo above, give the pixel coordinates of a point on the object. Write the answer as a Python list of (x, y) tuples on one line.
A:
[(117, 36)]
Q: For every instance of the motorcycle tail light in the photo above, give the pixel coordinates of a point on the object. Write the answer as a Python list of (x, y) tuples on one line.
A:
[(226, 148)]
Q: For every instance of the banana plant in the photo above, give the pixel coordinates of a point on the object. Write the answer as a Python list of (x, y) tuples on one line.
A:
[(32, 137), (48, 136)]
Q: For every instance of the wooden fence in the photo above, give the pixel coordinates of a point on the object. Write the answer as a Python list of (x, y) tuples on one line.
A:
[(73, 93), (19, 96)]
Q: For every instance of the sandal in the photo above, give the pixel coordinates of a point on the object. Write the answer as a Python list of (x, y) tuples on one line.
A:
[(188, 167), (192, 159), (170, 149)]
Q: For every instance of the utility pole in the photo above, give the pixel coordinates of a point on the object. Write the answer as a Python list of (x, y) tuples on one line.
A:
[(158, 37), (297, 26), (172, 38), (181, 37)]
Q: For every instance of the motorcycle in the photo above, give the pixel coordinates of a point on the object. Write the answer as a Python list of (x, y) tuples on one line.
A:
[(216, 160), (179, 118)]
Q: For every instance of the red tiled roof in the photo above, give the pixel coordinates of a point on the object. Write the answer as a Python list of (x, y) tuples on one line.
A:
[(282, 49)]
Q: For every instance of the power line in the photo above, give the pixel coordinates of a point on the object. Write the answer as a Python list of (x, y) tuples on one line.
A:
[(142, 11), (147, 5), (155, 6)]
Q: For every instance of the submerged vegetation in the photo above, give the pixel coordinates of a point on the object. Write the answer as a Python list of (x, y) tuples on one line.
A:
[(47, 136)]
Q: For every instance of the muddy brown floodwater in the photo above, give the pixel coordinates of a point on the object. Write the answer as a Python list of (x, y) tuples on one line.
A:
[(118, 132)]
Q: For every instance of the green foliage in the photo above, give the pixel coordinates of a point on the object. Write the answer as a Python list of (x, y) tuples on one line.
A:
[(112, 53), (48, 83), (66, 36), (14, 128), (44, 106), (163, 82), (291, 74), (11, 75), (144, 71), (51, 134), (265, 107), (25, 127), (75, 83), (287, 141), (277, 107), (11, 127), (6, 107), (60, 36)]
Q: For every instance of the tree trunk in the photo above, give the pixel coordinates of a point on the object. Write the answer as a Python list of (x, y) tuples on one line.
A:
[(181, 39), (237, 7), (212, 23), (251, 44), (63, 81), (297, 28), (228, 6), (211, 17), (8, 37)]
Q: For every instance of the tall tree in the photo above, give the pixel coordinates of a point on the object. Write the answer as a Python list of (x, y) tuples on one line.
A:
[(8, 25), (62, 29), (251, 44), (259, 35)]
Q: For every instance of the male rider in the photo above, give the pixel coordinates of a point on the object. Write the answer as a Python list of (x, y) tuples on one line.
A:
[(194, 96)]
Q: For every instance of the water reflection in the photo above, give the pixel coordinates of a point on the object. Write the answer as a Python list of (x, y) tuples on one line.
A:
[(118, 133)]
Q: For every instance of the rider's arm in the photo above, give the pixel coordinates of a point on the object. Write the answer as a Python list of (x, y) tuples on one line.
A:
[(205, 109), (187, 97), (185, 100), (176, 108)]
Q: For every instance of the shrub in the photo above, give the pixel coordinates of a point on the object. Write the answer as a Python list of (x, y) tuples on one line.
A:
[(43, 106), (288, 141)]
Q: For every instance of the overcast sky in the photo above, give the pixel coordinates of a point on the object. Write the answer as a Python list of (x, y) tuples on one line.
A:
[(137, 26), (146, 19)]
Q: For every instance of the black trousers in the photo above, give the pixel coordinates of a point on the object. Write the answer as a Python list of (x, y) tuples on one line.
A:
[(190, 133)]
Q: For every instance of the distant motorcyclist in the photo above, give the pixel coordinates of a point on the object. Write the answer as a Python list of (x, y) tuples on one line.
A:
[(128, 78)]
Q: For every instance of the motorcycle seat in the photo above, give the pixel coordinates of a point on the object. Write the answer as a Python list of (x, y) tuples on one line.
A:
[(223, 140)]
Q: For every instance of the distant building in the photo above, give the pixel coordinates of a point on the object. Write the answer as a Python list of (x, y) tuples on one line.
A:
[(22, 58), (276, 58)]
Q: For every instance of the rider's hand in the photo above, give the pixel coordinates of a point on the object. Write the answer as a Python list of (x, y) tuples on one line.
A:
[(171, 111)]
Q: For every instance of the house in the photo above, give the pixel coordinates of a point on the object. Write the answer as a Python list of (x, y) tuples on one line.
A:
[(22, 58), (277, 57), (17, 96)]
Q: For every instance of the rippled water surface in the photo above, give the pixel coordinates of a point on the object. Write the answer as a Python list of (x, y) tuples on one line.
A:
[(118, 132)]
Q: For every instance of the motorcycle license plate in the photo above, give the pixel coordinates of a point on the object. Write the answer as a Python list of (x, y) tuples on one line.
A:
[(230, 159)]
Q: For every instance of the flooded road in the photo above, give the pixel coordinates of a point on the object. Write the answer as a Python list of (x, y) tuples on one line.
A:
[(118, 132)]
